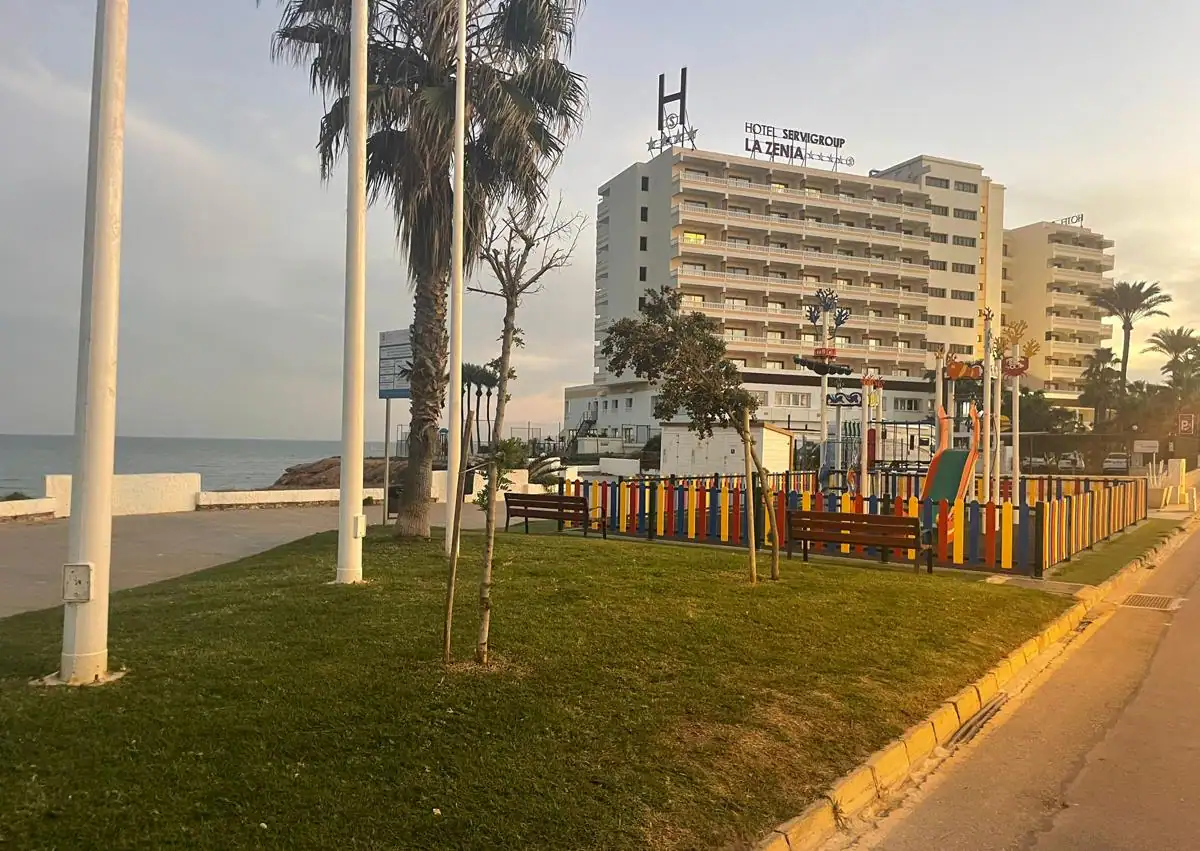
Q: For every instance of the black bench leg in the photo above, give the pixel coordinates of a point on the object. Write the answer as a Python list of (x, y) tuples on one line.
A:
[(805, 553), (929, 561), (587, 521), (526, 525)]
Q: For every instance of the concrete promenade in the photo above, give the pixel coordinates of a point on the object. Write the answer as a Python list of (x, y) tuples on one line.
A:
[(150, 548), (1103, 756)]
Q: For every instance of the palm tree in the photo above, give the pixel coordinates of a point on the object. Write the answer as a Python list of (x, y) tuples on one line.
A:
[(523, 103), (1100, 382), (1174, 343), (490, 384), (1130, 302)]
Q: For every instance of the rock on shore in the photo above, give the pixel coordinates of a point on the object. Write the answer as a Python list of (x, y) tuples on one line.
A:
[(327, 472)]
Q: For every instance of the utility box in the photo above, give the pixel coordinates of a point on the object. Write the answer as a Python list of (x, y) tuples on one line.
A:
[(684, 454)]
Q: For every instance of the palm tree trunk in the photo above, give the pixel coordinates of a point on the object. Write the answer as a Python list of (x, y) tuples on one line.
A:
[(493, 481), (478, 422), (1127, 328), (428, 382), (491, 438)]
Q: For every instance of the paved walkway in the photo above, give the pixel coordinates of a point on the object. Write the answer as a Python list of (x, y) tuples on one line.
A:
[(148, 549), (1102, 756)]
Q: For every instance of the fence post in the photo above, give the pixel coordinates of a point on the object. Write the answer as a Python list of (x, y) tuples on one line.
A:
[(1039, 540), (562, 489), (652, 512)]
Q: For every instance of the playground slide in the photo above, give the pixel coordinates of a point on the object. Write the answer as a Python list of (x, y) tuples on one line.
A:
[(951, 470)]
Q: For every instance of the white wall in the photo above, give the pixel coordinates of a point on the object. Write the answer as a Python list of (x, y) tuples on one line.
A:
[(24, 509), (148, 493)]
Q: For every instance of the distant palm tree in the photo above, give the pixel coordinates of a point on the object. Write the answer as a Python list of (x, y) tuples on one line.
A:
[(1130, 302), (1174, 343), (1101, 383), (523, 103)]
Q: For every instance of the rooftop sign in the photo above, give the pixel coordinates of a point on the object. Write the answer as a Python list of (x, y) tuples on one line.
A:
[(790, 144), (1075, 221)]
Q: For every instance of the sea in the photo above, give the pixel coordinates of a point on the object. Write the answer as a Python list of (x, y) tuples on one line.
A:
[(222, 464)]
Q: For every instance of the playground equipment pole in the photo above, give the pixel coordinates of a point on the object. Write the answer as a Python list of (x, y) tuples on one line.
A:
[(824, 461), (864, 486), (996, 405), (939, 383), (84, 656), (986, 459), (1017, 493), (352, 524), (454, 459)]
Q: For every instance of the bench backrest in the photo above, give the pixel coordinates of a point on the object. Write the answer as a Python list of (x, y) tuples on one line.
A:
[(880, 524), (547, 505)]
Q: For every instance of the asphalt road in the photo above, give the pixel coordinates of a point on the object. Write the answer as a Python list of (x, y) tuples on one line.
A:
[(1103, 755), (151, 548)]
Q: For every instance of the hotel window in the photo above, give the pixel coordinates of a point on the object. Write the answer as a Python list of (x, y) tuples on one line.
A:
[(845, 252), (703, 205), (775, 273), (972, 215), (937, 292), (775, 307), (962, 295), (816, 219), (695, 172), (934, 319), (965, 268), (739, 211), (776, 214), (846, 195), (693, 237), (903, 317), (937, 237), (907, 260), (774, 335), (694, 267), (793, 400), (900, 373), (738, 240), (815, 249), (740, 363), (645, 214), (642, 243), (939, 182), (760, 396), (959, 349), (740, 333), (939, 210), (938, 265), (812, 191), (876, 256), (881, 227), (912, 405), (903, 344), (963, 186), (808, 337), (645, 184), (774, 243), (606, 404), (810, 279), (874, 314), (962, 322), (842, 282), (778, 187), (641, 273), (871, 342), (773, 364), (734, 302), (739, 181), (841, 341), (629, 402), (689, 298), (967, 241), (906, 232), (737, 270)]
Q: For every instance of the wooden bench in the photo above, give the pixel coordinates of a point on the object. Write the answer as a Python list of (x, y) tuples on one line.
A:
[(882, 531), (552, 506)]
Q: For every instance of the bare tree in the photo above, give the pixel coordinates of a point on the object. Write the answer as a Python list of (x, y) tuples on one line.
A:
[(520, 248)]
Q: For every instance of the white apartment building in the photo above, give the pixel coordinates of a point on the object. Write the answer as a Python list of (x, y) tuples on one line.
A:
[(913, 251), (1050, 270)]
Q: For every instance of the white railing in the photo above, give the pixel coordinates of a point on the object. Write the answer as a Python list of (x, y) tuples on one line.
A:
[(1070, 347), (1070, 299), (1076, 276), (839, 231), (1094, 325), (761, 314), (810, 196), (848, 291), (841, 261), (759, 344)]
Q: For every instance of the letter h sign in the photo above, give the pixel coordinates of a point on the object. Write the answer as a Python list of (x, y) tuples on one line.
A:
[(664, 99)]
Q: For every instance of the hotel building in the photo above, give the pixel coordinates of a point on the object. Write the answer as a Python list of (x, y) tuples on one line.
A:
[(913, 251), (1050, 270)]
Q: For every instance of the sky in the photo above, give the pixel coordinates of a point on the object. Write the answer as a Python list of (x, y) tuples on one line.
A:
[(233, 251)]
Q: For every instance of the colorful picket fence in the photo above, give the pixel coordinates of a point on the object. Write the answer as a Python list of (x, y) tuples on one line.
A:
[(1002, 537)]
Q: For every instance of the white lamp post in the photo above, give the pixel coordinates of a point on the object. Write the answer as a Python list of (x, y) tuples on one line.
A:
[(454, 458), (352, 524), (89, 548)]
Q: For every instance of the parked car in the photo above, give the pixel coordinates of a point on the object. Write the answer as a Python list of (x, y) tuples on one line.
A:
[(1116, 463), (1036, 463), (1070, 462)]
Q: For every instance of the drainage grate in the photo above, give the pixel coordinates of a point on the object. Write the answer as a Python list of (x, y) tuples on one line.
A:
[(1158, 602)]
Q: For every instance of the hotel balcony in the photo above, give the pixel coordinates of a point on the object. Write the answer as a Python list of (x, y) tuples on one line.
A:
[(1078, 277), (751, 284), (691, 212), (1069, 300), (1074, 350), (1081, 254), (758, 315), (797, 257), (1062, 372), (1074, 323), (807, 198), (785, 349)]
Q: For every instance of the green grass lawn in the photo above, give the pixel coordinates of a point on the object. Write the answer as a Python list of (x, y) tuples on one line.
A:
[(643, 696), (1092, 568)]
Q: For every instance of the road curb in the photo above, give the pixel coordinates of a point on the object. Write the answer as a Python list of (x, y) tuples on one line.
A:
[(862, 790)]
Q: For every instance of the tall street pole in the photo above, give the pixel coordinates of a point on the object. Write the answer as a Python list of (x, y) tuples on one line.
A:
[(986, 454), (454, 458), (352, 524), (89, 536)]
